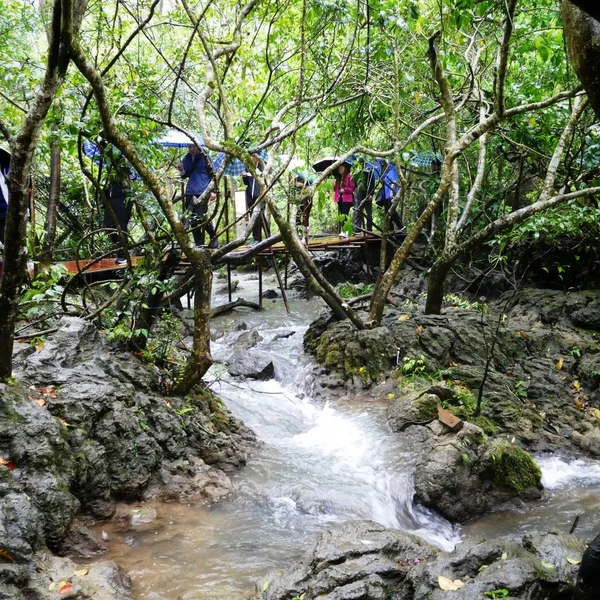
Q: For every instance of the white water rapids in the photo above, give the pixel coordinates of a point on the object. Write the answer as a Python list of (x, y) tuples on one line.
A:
[(319, 462)]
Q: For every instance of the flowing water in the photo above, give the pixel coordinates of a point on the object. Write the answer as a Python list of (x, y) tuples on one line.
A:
[(319, 462)]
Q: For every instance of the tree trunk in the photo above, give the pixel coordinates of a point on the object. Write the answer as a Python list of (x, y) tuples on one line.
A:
[(436, 285), (15, 255), (53, 201), (23, 146), (151, 305), (582, 36), (201, 359)]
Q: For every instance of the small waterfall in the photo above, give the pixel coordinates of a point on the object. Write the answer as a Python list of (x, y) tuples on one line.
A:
[(558, 472), (321, 461)]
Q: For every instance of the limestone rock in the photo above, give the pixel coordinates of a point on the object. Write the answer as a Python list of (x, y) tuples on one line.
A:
[(255, 365)]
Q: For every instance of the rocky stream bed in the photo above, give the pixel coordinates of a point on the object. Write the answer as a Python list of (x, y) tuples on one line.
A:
[(84, 427)]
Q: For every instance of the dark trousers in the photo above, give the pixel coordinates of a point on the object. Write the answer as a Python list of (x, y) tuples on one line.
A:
[(260, 222), (363, 209), (396, 220), (343, 209), (197, 216), (121, 207)]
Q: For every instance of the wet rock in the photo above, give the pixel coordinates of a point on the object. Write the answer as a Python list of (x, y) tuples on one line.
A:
[(85, 426), (224, 289), (141, 517), (465, 475), (248, 340), (256, 365), (283, 335), (353, 557), (188, 478), (80, 543), (365, 561), (541, 378), (270, 294)]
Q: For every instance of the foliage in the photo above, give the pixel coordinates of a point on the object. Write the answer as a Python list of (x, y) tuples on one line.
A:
[(44, 293), (351, 290), (497, 593)]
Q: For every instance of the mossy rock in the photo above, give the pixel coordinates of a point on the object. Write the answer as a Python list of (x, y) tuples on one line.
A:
[(513, 470), (362, 354)]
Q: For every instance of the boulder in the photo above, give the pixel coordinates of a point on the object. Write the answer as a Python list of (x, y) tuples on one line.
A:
[(255, 365), (248, 340)]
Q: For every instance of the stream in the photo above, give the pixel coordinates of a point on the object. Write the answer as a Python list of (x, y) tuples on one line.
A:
[(319, 462)]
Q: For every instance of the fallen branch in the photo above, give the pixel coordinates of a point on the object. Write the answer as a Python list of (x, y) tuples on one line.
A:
[(223, 308)]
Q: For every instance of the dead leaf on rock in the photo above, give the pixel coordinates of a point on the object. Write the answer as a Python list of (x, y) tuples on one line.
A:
[(81, 572), (573, 561), (559, 364), (448, 585), (597, 413), (523, 334), (39, 346), (11, 465), (403, 318), (64, 587), (6, 555), (41, 402), (420, 329)]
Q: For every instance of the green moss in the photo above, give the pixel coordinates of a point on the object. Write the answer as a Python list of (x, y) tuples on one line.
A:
[(513, 469), (486, 424), (428, 405)]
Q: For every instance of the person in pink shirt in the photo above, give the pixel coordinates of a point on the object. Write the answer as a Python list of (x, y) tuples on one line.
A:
[(343, 189)]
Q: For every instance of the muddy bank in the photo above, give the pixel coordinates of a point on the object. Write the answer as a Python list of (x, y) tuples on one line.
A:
[(82, 427)]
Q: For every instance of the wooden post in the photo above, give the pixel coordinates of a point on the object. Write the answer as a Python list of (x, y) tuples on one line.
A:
[(260, 281), (283, 294), (229, 280)]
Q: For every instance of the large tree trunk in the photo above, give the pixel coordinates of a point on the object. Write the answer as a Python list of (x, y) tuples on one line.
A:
[(15, 253), (23, 146), (582, 34), (53, 201), (592, 7)]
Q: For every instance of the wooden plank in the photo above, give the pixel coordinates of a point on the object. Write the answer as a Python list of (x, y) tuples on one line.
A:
[(449, 420)]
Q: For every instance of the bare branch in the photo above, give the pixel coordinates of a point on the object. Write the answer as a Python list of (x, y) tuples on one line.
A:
[(502, 58)]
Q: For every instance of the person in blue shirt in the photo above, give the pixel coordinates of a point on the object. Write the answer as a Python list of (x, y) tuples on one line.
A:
[(4, 166), (388, 191), (195, 168)]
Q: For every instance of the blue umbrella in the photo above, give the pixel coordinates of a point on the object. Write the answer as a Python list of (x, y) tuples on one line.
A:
[(236, 167), (425, 159), (173, 138), (93, 151)]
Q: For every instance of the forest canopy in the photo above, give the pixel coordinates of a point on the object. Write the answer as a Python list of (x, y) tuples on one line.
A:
[(473, 101)]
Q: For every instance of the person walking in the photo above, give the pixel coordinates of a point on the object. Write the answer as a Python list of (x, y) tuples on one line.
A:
[(252, 194), (196, 169), (343, 192), (388, 191), (366, 181)]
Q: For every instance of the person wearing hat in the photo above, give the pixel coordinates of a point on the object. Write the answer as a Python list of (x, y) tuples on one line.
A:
[(343, 190), (4, 166), (195, 168)]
